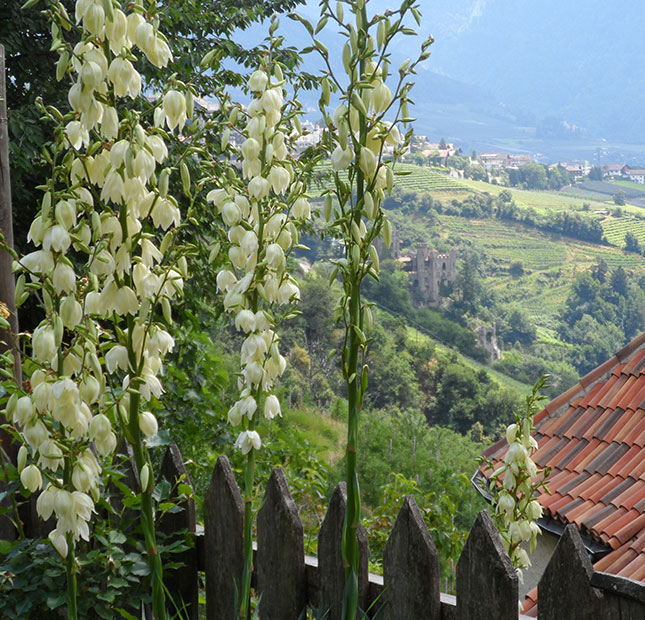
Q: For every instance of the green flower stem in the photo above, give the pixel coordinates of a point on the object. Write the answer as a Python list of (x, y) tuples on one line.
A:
[(249, 474), (147, 516), (70, 563), (352, 516), (72, 585), (351, 557)]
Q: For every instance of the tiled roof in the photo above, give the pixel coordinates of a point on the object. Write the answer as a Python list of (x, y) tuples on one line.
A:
[(593, 438)]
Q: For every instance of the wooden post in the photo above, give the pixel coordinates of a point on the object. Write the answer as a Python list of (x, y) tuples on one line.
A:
[(565, 590), (282, 581), (411, 568), (487, 584), (331, 571), (182, 582), (224, 542), (7, 282)]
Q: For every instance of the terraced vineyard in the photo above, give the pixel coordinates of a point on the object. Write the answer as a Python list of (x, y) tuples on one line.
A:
[(409, 178), (419, 179), (616, 229), (507, 243)]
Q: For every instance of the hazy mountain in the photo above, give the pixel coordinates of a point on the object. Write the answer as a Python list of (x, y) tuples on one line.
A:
[(557, 77)]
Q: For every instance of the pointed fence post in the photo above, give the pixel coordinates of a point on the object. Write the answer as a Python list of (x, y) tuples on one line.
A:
[(224, 544), (487, 584), (331, 570), (182, 582), (565, 590), (411, 568), (282, 581)]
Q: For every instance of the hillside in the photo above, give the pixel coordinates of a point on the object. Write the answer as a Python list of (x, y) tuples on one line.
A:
[(549, 261)]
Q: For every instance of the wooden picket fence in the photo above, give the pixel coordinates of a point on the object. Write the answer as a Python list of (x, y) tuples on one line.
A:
[(289, 581)]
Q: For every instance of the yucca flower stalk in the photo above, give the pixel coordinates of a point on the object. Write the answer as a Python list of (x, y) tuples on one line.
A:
[(101, 273), (261, 214), (358, 133), (516, 483)]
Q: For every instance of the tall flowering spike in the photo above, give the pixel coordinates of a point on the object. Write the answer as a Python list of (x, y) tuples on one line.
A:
[(261, 214), (515, 484), (97, 355)]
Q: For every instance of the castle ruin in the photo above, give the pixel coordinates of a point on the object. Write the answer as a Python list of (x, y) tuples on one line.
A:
[(427, 269), (431, 270), (487, 339)]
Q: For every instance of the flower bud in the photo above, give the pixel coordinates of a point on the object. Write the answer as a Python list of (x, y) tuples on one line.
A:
[(258, 81), (148, 423), (60, 543), (174, 105), (145, 477), (71, 312)]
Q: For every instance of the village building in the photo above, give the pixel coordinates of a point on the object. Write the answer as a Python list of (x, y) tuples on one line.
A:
[(635, 174), (501, 161), (593, 438), (613, 171)]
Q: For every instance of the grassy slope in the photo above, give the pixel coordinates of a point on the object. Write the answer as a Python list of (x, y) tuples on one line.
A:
[(550, 261)]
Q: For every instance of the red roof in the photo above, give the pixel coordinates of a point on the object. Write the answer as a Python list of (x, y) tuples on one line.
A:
[(593, 438)]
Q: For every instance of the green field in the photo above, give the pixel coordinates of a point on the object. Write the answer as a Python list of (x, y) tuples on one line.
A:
[(616, 229), (550, 263), (630, 184)]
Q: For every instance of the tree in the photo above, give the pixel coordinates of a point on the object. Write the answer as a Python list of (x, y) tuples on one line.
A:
[(619, 281), (632, 243), (442, 144), (595, 174), (600, 270), (619, 197)]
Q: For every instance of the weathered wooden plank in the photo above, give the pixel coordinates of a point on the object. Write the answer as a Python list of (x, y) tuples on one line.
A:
[(411, 568), (182, 582), (331, 570), (223, 532), (565, 591), (282, 581), (487, 584)]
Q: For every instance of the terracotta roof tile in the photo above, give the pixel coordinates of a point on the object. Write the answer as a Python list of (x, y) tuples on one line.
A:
[(576, 481), (615, 491), (624, 425), (624, 460), (603, 513), (636, 570), (607, 458), (563, 399), (578, 429), (593, 438), (583, 455), (603, 488), (598, 373), (601, 528), (612, 395), (631, 496), (632, 528), (586, 399), (636, 364), (569, 453), (630, 467)]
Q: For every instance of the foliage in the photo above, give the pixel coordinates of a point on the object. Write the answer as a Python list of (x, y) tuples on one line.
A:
[(632, 244), (600, 316), (514, 485), (438, 510)]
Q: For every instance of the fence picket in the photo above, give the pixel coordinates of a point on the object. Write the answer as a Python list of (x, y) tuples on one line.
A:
[(330, 557), (567, 578), (487, 585), (411, 568), (182, 582), (223, 533), (282, 581)]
